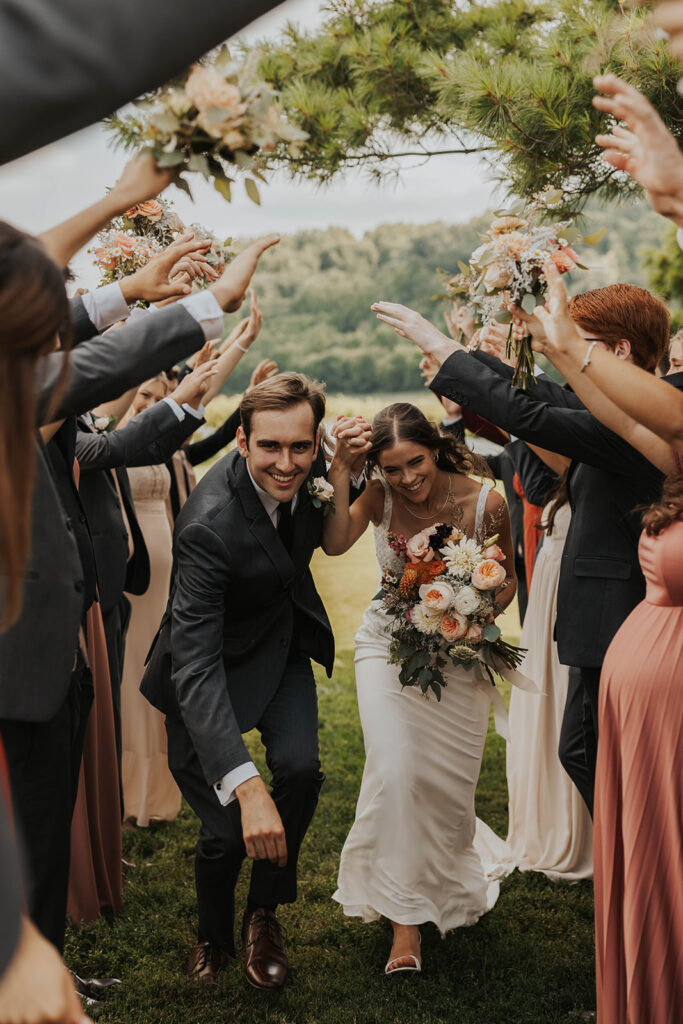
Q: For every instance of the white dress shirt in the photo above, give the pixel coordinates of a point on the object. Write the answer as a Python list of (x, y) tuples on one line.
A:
[(106, 306)]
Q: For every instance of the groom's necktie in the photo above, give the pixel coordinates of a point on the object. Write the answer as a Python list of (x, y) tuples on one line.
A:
[(285, 524)]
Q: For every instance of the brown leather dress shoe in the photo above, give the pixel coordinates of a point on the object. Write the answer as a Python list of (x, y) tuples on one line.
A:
[(205, 963), (266, 962)]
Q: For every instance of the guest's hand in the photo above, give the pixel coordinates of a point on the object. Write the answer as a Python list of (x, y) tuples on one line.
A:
[(460, 321), (231, 287), (193, 386), (248, 330), (193, 267), (560, 335), (36, 987), (141, 179), (152, 283), (263, 371), (669, 16), (493, 338), (409, 324), (646, 150), (262, 828)]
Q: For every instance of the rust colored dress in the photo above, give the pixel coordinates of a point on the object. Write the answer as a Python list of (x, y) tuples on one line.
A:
[(638, 844)]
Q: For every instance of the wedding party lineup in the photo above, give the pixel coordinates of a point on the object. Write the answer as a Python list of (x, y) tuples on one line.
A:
[(341, 570)]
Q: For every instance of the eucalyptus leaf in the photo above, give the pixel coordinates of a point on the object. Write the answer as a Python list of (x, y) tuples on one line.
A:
[(540, 299), (502, 316), (222, 185), (183, 186), (198, 162), (595, 238), (570, 234), (171, 159), (528, 303), (465, 268), (165, 121), (491, 632), (252, 191)]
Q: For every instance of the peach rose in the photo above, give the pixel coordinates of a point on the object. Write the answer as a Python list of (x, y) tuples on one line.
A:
[(474, 632), (106, 259), (123, 242), (418, 549), (207, 88), (437, 597), (493, 551), (502, 225), (497, 276), (515, 243), (152, 210), (453, 626), (564, 259), (488, 575)]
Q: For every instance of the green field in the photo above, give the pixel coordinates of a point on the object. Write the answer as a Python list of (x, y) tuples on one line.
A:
[(529, 961)]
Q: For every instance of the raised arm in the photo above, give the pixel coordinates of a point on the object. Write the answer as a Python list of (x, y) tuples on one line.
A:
[(349, 521), (229, 359)]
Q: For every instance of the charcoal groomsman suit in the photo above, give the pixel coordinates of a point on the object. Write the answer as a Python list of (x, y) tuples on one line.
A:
[(234, 652), (600, 576)]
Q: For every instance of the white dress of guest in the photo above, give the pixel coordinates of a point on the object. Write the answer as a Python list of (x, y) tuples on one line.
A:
[(550, 829), (416, 851)]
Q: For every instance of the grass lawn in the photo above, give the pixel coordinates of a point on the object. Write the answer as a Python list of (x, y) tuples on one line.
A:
[(529, 961)]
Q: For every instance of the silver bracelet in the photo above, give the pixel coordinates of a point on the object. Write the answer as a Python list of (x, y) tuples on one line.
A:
[(241, 347), (589, 353)]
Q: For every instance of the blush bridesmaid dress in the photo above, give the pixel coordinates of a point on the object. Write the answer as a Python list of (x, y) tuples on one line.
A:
[(638, 847)]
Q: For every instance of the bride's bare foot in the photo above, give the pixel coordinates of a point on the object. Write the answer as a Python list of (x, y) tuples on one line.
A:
[(405, 950)]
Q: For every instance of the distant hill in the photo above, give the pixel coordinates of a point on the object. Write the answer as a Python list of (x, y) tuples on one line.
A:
[(316, 288)]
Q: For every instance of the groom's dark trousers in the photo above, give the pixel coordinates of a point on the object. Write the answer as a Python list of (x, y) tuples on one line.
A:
[(289, 730)]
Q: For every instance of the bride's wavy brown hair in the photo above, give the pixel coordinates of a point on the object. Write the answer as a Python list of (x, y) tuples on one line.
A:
[(34, 310), (405, 422), (668, 509)]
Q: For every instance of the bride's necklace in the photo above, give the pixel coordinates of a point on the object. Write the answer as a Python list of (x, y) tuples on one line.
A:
[(432, 514)]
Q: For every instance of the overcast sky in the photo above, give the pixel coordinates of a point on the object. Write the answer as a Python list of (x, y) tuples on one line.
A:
[(45, 187)]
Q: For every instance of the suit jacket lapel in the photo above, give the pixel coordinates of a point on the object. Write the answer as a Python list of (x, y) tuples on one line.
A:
[(259, 522)]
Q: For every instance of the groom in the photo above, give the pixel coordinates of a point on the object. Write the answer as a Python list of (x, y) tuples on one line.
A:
[(234, 652)]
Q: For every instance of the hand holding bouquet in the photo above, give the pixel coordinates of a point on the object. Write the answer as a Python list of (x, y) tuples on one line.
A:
[(443, 606), (216, 118)]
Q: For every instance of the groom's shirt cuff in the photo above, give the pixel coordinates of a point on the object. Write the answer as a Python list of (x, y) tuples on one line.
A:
[(225, 787)]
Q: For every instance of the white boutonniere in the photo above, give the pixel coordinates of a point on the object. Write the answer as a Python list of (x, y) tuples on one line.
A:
[(322, 493), (103, 424)]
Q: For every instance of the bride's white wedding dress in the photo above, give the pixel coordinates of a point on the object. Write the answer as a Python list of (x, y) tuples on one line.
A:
[(416, 851)]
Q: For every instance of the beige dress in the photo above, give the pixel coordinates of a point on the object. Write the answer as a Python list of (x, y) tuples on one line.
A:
[(148, 787), (550, 828)]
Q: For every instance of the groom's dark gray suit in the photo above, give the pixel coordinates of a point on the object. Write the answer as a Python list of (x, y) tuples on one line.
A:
[(234, 652)]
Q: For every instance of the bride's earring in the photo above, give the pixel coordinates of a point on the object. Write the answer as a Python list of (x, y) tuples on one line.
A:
[(435, 457)]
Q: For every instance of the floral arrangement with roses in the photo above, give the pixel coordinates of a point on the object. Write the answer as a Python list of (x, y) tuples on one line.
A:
[(217, 118), (443, 606), (508, 267), (120, 254)]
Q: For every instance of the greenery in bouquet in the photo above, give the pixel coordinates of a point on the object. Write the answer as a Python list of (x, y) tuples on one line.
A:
[(216, 119), (120, 254), (443, 606), (508, 267)]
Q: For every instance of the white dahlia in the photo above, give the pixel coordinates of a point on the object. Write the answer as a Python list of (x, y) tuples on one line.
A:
[(424, 620), (462, 558)]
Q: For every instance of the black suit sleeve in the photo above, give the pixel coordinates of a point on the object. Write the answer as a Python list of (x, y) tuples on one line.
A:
[(10, 890), (200, 451), (148, 440), (104, 367), (575, 433), (83, 327), (545, 389), (534, 476), (61, 65), (202, 574)]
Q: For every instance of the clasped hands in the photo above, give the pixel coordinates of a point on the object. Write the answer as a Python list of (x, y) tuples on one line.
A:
[(352, 434)]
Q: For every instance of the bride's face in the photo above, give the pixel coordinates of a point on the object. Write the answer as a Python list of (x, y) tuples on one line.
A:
[(409, 469)]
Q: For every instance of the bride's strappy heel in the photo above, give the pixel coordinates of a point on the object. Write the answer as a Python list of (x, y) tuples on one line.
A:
[(415, 967)]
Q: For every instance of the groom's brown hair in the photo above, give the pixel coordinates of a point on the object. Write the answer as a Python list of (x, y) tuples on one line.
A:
[(283, 391)]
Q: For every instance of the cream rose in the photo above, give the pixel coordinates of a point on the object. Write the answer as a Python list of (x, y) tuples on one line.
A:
[(501, 225), (206, 88), (322, 488), (497, 276), (437, 597), (488, 575), (466, 601), (493, 551), (418, 549), (453, 626)]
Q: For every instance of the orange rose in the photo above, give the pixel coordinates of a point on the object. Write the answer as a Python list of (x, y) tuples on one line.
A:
[(564, 259), (488, 575), (453, 626)]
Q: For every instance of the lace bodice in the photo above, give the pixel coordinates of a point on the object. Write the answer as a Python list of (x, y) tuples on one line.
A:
[(387, 559)]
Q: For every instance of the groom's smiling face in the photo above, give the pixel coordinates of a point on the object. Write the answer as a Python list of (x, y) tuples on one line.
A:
[(281, 448)]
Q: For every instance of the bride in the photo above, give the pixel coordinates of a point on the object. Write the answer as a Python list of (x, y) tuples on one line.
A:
[(412, 855)]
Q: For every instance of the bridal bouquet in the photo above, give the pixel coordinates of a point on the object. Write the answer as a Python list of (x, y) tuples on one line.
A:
[(216, 118), (443, 605), (120, 254), (509, 267)]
